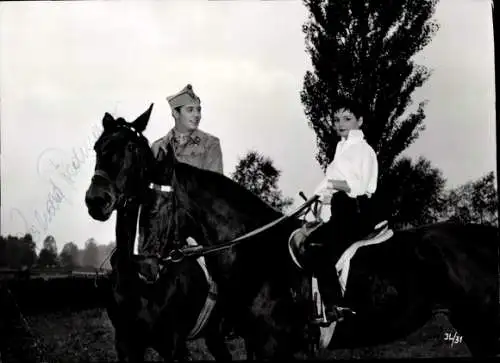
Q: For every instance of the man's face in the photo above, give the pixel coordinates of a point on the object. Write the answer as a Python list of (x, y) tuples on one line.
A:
[(345, 121), (188, 118)]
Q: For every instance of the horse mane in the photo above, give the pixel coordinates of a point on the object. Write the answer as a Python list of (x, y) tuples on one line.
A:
[(228, 205)]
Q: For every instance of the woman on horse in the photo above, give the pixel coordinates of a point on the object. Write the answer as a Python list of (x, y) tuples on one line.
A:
[(350, 180)]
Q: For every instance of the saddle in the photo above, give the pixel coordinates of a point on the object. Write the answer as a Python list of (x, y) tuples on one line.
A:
[(297, 246), (297, 249)]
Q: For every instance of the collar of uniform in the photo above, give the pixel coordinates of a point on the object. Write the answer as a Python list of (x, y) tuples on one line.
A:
[(354, 135), (193, 137)]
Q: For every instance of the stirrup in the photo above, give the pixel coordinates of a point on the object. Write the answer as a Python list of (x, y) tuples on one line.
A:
[(344, 311), (339, 314)]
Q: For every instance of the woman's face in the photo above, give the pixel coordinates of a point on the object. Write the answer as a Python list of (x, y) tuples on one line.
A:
[(345, 121)]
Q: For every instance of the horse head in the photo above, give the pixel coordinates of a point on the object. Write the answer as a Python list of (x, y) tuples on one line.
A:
[(123, 163)]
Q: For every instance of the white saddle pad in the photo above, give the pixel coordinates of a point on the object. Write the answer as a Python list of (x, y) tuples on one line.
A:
[(344, 261)]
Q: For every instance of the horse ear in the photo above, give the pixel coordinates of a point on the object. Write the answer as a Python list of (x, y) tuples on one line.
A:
[(108, 121), (141, 122)]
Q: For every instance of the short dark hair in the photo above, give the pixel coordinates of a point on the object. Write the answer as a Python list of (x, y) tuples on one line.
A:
[(351, 106)]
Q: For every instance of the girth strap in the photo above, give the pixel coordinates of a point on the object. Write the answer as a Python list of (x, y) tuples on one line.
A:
[(211, 296)]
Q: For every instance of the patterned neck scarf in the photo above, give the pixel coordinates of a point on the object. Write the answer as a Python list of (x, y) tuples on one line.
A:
[(184, 139)]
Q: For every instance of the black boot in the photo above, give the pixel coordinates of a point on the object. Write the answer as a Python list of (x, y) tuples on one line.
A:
[(330, 294), (333, 313), (339, 313)]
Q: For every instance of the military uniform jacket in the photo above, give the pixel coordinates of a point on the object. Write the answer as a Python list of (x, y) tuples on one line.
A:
[(201, 150)]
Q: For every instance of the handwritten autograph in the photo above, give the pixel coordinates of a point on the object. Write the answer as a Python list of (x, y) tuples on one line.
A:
[(60, 169), (454, 339)]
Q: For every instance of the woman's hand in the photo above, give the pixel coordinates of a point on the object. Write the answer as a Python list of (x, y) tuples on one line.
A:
[(326, 197)]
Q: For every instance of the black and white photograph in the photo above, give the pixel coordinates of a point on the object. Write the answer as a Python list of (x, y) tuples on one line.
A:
[(267, 180)]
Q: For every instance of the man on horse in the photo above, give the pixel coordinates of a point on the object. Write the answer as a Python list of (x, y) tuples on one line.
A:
[(350, 181), (191, 145)]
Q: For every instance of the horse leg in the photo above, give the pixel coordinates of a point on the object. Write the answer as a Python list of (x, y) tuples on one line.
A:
[(129, 351), (263, 343), (244, 326), (171, 346), (242, 329), (121, 352), (121, 346), (249, 349), (181, 352), (274, 346), (214, 339)]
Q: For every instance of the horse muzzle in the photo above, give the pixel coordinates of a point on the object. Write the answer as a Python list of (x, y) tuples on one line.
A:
[(100, 204)]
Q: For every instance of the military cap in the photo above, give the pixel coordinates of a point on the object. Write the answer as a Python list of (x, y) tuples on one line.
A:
[(184, 97)]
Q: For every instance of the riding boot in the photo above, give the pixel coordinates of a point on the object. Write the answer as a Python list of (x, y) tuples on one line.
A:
[(331, 301), (329, 287), (228, 330)]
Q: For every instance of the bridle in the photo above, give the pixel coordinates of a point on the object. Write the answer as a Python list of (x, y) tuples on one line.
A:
[(122, 199)]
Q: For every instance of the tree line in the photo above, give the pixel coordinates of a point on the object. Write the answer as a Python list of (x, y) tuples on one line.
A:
[(21, 252)]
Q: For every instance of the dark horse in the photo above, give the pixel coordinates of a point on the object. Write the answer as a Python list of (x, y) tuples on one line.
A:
[(153, 303), (393, 286)]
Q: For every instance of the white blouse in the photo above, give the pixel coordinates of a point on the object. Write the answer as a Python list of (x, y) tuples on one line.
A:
[(355, 162)]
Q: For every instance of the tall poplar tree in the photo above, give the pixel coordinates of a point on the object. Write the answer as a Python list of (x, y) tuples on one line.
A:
[(362, 54)]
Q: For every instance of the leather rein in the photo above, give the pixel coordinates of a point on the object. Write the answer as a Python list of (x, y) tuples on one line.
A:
[(178, 254)]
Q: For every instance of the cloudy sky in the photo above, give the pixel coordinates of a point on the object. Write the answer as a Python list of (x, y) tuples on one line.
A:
[(62, 65)]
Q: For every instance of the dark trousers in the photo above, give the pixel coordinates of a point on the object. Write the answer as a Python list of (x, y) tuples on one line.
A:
[(349, 221)]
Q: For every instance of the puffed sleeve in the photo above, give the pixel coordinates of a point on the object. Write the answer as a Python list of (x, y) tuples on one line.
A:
[(213, 156)]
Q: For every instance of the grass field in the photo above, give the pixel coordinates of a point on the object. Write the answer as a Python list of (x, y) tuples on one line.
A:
[(88, 336)]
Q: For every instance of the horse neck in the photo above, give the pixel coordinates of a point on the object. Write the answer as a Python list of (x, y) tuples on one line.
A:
[(127, 217), (225, 221), (157, 172), (152, 230), (153, 172)]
